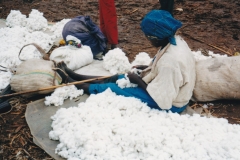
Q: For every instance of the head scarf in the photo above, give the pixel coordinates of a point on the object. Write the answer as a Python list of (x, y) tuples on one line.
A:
[(161, 24)]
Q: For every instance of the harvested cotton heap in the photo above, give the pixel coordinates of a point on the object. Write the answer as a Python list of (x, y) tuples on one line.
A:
[(141, 59), (36, 21), (16, 18), (116, 62), (5, 78), (199, 56), (125, 82), (58, 27), (108, 126), (60, 94)]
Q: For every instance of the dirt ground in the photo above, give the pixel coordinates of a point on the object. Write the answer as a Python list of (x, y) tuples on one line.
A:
[(207, 24)]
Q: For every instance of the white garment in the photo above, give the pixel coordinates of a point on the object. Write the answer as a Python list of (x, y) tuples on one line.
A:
[(172, 80), (217, 78)]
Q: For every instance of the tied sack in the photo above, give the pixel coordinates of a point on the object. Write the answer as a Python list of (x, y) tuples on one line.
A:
[(74, 58), (217, 78), (34, 74)]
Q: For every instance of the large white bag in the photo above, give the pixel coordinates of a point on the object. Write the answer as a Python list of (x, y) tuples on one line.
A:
[(74, 58), (217, 78)]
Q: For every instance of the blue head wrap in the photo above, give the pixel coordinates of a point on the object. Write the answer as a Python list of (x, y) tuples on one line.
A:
[(161, 24)]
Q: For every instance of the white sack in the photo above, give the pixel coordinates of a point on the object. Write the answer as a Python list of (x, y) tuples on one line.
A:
[(75, 58), (217, 78)]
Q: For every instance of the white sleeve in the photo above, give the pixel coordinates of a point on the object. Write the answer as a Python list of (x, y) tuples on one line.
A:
[(164, 88)]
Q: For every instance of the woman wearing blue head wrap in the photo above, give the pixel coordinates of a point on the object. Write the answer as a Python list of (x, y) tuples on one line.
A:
[(167, 83), (170, 78)]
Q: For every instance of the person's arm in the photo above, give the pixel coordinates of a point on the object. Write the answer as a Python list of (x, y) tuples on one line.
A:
[(137, 80), (141, 67)]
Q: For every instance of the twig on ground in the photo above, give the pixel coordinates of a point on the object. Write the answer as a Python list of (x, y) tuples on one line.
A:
[(216, 47), (14, 137), (27, 153), (133, 11), (54, 87)]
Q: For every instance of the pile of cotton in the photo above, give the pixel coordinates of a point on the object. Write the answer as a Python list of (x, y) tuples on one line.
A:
[(13, 39), (116, 62), (60, 94), (16, 18), (141, 59), (74, 58), (58, 27), (125, 82), (108, 126), (36, 21), (5, 78)]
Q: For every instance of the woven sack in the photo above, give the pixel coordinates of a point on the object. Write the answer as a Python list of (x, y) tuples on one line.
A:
[(217, 78), (34, 74)]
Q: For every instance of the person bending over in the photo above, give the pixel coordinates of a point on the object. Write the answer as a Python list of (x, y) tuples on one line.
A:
[(167, 83)]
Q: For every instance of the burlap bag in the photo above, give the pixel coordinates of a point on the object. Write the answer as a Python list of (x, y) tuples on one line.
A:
[(34, 74), (217, 78)]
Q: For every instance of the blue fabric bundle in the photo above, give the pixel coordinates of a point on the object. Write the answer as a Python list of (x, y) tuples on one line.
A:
[(89, 33), (161, 24)]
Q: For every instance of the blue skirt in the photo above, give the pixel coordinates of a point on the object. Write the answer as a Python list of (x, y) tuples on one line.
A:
[(136, 92)]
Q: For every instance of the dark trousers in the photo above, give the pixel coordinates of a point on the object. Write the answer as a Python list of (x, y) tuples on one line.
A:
[(167, 5)]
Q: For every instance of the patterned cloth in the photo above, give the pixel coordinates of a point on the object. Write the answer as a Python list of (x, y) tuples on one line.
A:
[(161, 24)]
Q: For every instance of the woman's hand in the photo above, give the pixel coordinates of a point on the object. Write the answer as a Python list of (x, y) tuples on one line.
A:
[(134, 78), (141, 67)]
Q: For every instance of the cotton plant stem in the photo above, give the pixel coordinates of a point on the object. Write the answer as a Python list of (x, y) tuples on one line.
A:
[(53, 87)]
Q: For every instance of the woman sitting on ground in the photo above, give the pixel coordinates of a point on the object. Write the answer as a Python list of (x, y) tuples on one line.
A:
[(167, 83)]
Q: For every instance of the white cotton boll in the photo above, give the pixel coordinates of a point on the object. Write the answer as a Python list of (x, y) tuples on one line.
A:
[(36, 21), (62, 93), (4, 80), (58, 27), (205, 106), (142, 58), (53, 136), (42, 39), (125, 83), (199, 56), (216, 55), (12, 40), (63, 153), (74, 58), (16, 18), (73, 158), (116, 62)]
